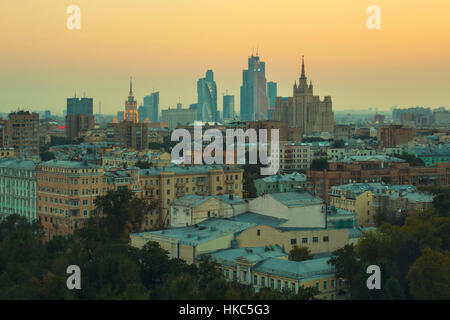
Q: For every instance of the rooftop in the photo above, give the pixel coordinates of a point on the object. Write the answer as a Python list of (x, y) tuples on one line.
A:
[(252, 255), (205, 231), (296, 199)]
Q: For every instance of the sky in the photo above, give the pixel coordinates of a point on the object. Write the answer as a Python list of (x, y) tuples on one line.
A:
[(167, 45)]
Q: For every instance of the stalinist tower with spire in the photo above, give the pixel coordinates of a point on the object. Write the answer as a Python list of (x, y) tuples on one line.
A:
[(304, 110), (131, 111)]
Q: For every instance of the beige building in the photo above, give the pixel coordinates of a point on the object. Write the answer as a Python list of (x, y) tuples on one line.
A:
[(162, 186), (65, 194), (294, 156), (305, 110), (193, 209), (367, 199)]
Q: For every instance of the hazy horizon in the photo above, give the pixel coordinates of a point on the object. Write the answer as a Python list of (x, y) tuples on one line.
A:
[(167, 46)]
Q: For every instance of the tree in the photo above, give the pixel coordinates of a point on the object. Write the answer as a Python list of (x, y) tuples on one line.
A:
[(47, 155), (429, 276), (120, 212), (338, 144), (411, 159), (319, 164), (300, 253), (143, 164)]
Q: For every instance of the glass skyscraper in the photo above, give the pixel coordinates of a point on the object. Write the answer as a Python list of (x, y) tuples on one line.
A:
[(151, 106), (207, 98), (228, 107), (254, 101), (272, 95)]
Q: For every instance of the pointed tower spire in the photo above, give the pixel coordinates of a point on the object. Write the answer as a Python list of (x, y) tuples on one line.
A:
[(303, 66), (131, 86)]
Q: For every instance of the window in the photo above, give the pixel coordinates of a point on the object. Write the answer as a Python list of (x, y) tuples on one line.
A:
[(279, 284), (315, 239), (293, 241), (258, 232), (304, 240), (325, 239), (272, 283), (325, 284), (332, 283), (255, 280), (263, 281), (317, 285)]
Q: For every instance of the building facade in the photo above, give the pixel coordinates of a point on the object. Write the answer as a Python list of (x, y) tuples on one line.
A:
[(207, 98), (394, 135), (22, 134), (305, 110), (254, 100), (131, 111), (66, 191), (18, 188)]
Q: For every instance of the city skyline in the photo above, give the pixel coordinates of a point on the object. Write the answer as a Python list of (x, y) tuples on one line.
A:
[(405, 63)]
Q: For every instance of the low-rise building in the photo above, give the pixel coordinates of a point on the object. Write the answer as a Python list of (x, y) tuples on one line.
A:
[(367, 199), (268, 267), (188, 243), (280, 183)]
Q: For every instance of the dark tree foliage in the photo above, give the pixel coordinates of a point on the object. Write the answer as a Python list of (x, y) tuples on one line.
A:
[(411, 159), (413, 258), (319, 164)]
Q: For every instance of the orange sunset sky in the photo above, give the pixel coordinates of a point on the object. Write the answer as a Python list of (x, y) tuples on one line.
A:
[(167, 45)]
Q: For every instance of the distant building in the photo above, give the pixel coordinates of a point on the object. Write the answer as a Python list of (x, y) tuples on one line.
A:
[(78, 124), (207, 98), (79, 117), (228, 107), (131, 111), (294, 156), (151, 107), (77, 106), (178, 116), (431, 155), (394, 135), (280, 183), (22, 134), (368, 199), (272, 94), (254, 100), (128, 134), (18, 188), (380, 169), (305, 110)]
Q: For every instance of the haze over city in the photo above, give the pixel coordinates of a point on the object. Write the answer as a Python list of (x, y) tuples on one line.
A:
[(167, 46)]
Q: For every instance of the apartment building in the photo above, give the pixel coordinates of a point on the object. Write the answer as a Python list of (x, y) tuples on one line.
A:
[(367, 199), (280, 183), (18, 188), (164, 185), (22, 134), (394, 135), (66, 191), (294, 156), (376, 169)]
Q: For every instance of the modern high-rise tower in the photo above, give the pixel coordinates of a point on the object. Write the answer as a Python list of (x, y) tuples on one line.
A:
[(131, 111), (76, 106), (254, 101), (272, 95), (207, 98), (228, 107), (151, 106)]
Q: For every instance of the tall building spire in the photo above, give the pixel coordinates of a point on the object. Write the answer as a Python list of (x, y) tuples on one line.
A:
[(131, 86), (303, 66)]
